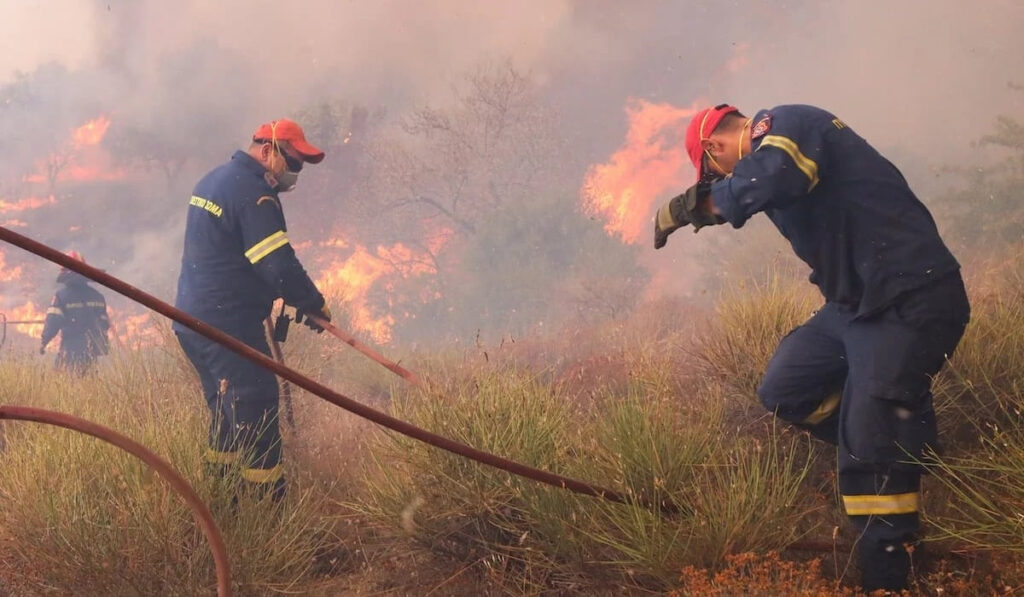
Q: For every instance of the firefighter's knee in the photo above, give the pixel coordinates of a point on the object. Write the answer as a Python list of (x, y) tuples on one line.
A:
[(778, 399)]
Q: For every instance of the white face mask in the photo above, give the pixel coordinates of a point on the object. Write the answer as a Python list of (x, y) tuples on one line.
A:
[(286, 181)]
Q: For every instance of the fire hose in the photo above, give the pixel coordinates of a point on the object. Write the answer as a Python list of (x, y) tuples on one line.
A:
[(357, 408), (165, 470), (356, 344)]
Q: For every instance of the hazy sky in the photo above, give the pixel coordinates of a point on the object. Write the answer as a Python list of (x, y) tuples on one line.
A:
[(927, 73)]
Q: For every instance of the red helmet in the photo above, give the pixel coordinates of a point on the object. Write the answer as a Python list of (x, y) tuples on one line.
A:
[(74, 255)]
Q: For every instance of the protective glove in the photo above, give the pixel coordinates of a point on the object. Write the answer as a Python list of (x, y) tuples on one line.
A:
[(42, 350), (682, 210), (303, 317)]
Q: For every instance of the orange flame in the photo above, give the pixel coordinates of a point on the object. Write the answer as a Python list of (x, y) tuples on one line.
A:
[(350, 281), (652, 161), (28, 312), (79, 158), (8, 274), (26, 203), (134, 331), (90, 133)]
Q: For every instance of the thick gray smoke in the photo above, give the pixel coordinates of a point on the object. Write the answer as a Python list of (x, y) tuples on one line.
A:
[(921, 80)]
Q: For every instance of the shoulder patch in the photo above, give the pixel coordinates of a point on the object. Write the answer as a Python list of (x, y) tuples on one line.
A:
[(761, 128), (270, 199)]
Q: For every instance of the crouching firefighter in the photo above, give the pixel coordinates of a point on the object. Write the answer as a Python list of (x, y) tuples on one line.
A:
[(78, 312), (237, 260), (858, 372)]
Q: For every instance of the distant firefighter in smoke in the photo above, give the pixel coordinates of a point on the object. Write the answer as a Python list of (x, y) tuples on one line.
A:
[(237, 261), (78, 312), (858, 373)]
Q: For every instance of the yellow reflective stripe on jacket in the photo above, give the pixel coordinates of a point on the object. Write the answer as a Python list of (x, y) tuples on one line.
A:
[(808, 166), (266, 246), (54, 311), (220, 457), (862, 505), (824, 410), (263, 475)]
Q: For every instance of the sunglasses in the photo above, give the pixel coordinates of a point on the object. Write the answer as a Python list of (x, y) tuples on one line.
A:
[(294, 164)]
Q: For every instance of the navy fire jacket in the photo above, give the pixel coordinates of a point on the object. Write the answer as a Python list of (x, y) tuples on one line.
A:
[(79, 313), (237, 259), (846, 210)]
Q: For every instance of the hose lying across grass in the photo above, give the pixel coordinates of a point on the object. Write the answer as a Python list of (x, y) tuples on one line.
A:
[(165, 470), (378, 417)]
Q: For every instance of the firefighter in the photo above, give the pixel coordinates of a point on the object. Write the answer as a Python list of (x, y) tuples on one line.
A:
[(237, 260), (79, 313), (858, 372)]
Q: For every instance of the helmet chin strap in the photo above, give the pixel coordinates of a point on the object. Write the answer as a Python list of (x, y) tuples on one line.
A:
[(739, 148)]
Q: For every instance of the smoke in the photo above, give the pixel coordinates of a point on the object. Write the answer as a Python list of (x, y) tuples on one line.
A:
[(919, 79)]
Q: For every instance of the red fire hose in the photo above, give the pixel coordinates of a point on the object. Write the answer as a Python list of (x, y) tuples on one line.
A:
[(380, 418), (165, 470)]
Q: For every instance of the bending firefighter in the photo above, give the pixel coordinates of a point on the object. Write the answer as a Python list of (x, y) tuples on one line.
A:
[(78, 312), (858, 372), (237, 260)]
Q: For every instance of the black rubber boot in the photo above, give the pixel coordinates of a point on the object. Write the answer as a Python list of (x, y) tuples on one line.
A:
[(884, 564)]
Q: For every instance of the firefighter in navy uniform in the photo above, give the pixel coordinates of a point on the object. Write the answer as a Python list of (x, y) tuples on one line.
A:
[(237, 260), (79, 313), (858, 372)]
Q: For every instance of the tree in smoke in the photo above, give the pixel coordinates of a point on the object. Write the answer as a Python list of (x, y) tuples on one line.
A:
[(456, 166), (481, 173), (991, 199), (38, 111), (175, 122), (343, 130)]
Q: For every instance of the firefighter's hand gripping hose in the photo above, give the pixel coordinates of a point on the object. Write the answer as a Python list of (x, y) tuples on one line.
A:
[(165, 470), (380, 418)]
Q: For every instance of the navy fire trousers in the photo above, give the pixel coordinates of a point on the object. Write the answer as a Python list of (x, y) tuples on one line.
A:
[(864, 383), (243, 399)]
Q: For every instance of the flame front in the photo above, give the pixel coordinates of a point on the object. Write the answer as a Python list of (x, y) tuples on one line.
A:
[(652, 161), (133, 331), (349, 281), (90, 133), (28, 312), (8, 274), (25, 203), (78, 159)]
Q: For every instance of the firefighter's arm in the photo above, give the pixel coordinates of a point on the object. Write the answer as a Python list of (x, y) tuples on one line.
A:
[(692, 206), (781, 171), (271, 254), (104, 319), (53, 323)]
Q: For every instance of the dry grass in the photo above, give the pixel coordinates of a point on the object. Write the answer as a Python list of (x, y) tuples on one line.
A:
[(658, 413), (79, 516)]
